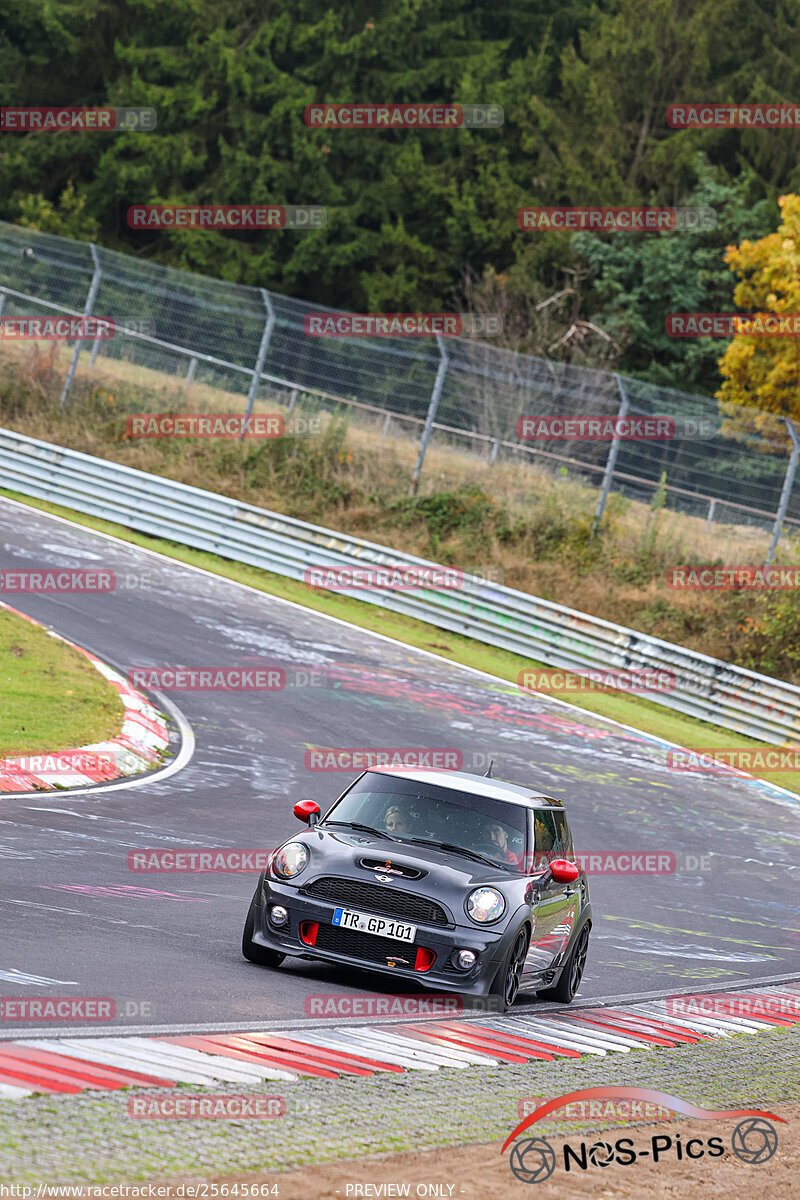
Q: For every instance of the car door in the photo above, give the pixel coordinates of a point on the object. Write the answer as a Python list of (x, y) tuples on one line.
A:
[(557, 907)]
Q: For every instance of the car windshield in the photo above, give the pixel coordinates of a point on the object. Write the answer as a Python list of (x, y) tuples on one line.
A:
[(407, 810)]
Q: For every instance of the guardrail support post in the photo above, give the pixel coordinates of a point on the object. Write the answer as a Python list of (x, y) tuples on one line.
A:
[(612, 458), (431, 417), (495, 448), (87, 312), (387, 420), (2, 302), (292, 399), (266, 338), (788, 482), (191, 371)]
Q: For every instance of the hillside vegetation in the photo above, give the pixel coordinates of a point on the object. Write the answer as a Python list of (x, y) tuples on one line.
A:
[(515, 524)]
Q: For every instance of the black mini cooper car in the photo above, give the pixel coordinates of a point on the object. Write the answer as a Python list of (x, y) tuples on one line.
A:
[(459, 882)]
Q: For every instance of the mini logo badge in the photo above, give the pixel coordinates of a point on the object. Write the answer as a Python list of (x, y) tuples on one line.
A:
[(383, 879)]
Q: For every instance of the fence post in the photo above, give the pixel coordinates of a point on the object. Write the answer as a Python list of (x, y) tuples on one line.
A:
[(87, 312), (712, 504), (786, 492), (266, 338), (191, 370), (431, 417), (612, 458)]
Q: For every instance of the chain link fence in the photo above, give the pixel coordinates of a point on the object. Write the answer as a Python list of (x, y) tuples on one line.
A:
[(735, 467)]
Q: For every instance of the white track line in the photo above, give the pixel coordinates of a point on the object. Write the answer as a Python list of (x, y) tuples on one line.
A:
[(10, 1091), (231, 1070), (550, 1037), (421, 1048), (115, 1053), (373, 1048)]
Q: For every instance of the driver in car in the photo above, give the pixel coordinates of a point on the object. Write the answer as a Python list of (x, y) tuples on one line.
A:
[(396, 821), (499, 839)]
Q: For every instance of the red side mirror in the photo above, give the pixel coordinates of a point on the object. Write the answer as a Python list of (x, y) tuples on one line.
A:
[(307, 811), (564, 871)]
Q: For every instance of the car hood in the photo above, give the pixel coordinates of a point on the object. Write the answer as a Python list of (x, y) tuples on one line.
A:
[(339, 852)]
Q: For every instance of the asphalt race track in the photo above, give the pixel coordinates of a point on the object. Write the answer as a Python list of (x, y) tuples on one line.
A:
[(77, 922)]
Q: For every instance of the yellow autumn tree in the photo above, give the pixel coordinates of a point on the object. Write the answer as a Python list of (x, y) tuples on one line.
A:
[(762, 372)]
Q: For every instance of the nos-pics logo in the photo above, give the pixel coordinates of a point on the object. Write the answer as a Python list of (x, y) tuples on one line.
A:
[(534, 1159)]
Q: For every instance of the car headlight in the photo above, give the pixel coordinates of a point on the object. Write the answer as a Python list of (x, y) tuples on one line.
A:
[(290, 860), (485, 905)]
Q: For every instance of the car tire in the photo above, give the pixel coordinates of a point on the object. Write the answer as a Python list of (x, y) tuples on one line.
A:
[(506, 983), (572, 972), (251, 950)]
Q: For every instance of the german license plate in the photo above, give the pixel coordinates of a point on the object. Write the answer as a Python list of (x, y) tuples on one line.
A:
[(381, 926)]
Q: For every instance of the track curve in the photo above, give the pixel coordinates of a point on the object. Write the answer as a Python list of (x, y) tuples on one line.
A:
[(76, 921)]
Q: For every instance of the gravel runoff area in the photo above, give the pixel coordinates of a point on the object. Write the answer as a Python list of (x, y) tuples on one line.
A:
[(91, 1139)]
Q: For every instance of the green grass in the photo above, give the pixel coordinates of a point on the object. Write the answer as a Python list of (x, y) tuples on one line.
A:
[(51, 697), (620, 706)]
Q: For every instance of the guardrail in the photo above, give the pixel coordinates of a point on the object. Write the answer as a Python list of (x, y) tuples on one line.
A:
[(706, 688)]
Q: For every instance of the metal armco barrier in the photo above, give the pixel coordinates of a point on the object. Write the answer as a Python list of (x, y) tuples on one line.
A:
[(706, 688)]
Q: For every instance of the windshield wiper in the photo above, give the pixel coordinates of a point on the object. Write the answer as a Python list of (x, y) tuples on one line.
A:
[(365, 829), (458, 850)]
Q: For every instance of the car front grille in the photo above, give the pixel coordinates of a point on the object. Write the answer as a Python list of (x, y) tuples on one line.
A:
[(364, 946), (385, 901)]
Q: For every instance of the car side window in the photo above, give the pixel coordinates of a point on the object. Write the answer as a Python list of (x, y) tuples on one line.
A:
[(562, 846), (544, 839)]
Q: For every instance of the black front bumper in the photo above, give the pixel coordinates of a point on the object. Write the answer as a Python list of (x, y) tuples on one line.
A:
[(373, 953)]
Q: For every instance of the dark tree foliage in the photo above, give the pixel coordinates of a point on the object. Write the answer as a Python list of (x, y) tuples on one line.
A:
[(584, 87)]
